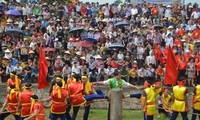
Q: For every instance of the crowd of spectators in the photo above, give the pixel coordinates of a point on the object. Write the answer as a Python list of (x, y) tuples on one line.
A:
[(145, 39)]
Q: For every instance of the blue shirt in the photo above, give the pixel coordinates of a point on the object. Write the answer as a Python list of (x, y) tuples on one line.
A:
[(14, 62)]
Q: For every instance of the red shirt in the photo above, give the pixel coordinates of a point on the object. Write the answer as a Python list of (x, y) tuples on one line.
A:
[(76, 93), (38, 106), (12, 82), (59, 105), (12, 101), (178, 58), (182, 65), (83, 10), (178, 42), (181, 32), (25, 102), (187, 57), (196, 34), (154, 11), (159, 71)]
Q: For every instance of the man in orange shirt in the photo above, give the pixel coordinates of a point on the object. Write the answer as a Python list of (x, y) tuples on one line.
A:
[(14, 80), (154, 11), (37, 109), (196, 33), (182, 65), (76, 91), (59, 102), (12, 102), (25, 101)]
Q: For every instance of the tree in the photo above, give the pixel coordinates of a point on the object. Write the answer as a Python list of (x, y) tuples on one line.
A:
[(118, 1)]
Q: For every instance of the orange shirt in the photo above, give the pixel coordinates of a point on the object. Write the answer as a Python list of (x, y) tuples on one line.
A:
[(182, 65), (163, 60), (159, 71), (154, 11), (12, 82), (178, 42), (25, 102), (38, 106), (187, 57), (12, 101), (59, 105), (196, 34), (76, 93), (181, 32)]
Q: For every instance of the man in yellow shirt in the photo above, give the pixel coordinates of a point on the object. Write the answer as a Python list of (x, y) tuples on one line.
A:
[(180, 100)]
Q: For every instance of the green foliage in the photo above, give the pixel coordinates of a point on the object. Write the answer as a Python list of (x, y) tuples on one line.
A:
[(118, 1)]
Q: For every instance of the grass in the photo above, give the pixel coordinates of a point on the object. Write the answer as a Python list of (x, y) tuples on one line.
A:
[(99, 114)]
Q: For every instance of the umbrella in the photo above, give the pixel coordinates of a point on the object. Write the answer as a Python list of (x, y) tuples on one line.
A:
[(48, 49), (13, 12), (76, 29), (116, 45), (83, 44), (158, 26), (90, 40), (122, 23), (13, 31)]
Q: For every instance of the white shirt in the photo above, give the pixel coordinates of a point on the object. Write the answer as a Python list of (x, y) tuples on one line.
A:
[(18, 69), (32, 45), (9, 69), (8, 55), (168, 13), (134, 11), (120, 56), (151, 59), (169, 41), (140, 51), (195, 15), (66, 71), (76, 69), (110, 71)]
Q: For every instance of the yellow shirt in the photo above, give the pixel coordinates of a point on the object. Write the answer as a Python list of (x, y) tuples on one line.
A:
[(133, 73), (150, 101), (196, 98), (179, 104)]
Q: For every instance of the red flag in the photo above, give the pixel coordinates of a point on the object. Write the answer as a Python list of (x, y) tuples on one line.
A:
[(171, 68), (43, 70)]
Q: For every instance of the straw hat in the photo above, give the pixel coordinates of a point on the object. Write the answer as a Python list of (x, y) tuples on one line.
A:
[(27, 28), (28, 19), (56, 39), (31, 52), (170, 27), (91, 29), (169, 6), (9, 20), (67, 52), (58, 20), (16, 23), (58, 57), (47, 58), (83, 58), (7, 51), (78, 53), (98, 57)]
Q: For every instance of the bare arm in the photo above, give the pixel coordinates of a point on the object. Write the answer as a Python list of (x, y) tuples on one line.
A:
[(36, 112), (4, 105), (46, 100)]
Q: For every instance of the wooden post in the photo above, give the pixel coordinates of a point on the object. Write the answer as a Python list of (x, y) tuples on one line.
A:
[(116, 104)]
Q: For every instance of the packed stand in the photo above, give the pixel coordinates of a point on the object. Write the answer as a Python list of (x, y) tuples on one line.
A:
[(94, 39)]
